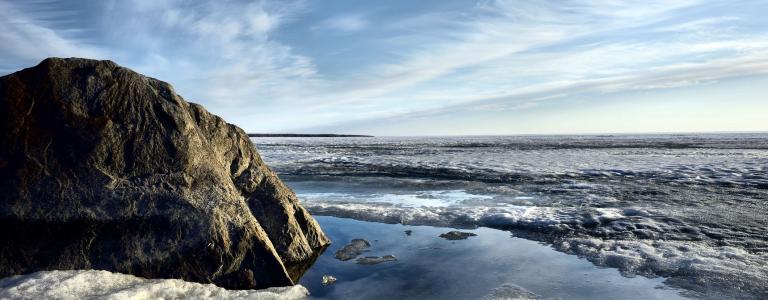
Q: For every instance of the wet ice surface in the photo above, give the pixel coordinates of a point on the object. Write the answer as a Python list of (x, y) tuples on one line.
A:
[(686, 207), (491, 265)]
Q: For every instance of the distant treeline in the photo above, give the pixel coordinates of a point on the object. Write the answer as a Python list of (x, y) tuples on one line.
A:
[(304, 135)]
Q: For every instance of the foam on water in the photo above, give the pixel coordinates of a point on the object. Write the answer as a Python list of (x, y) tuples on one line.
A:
[(95, 284)]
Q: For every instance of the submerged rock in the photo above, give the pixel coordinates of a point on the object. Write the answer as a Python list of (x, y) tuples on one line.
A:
[(352, 250), (457, 235), (328, 279), (103, 168), (510, 291), (357, 247), (408, 232), (372, 260)]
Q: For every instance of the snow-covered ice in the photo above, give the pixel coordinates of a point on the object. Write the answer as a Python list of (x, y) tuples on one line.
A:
[(689, 208), (97, 284)]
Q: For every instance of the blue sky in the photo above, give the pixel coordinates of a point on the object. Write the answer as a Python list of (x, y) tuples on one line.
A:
[(426, 67)]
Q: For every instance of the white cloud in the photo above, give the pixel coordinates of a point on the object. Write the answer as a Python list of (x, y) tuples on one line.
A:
[(25, 38), (220, 52), (496, 30), (494, 55), (518, 50)]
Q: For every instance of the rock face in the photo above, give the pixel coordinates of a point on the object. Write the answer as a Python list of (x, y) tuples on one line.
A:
[(103, 168)]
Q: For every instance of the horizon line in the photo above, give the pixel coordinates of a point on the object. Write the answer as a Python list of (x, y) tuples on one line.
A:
[(514, 134)]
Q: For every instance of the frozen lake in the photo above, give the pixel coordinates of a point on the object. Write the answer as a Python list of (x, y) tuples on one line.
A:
[(688, 208)]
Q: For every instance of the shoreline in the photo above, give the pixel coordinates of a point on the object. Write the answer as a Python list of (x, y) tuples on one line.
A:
[(487, 264)]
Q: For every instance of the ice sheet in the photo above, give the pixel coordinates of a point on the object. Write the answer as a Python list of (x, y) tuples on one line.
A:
[(606, 198)]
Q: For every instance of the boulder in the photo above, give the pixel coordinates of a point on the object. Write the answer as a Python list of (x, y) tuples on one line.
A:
[(104, 168)]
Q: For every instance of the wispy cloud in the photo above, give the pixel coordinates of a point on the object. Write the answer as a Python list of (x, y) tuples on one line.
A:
[(220, 51), (343, 23), (27, 36), (515, 50), (255, 61), (705, 24)]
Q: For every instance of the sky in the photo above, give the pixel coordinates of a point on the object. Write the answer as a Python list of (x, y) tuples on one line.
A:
[(447, 67)]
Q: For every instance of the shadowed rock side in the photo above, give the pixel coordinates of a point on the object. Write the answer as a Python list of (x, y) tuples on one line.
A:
[(103, 168)]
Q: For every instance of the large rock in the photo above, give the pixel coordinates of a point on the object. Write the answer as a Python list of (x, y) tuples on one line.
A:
[(103, 168)]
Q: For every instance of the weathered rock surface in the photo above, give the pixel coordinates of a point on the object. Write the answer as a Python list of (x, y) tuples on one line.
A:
[(352, 250), (103, 168)]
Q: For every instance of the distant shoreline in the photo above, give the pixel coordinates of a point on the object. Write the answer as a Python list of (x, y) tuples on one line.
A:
[(305, 135)]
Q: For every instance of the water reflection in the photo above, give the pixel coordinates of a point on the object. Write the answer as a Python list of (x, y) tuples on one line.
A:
[(429, 267), (298, 269)]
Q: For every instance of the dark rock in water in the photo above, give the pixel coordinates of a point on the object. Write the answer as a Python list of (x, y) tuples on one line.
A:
[(408, 232), (457, 235), (352, 250), (103, 168), (372, 260)]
